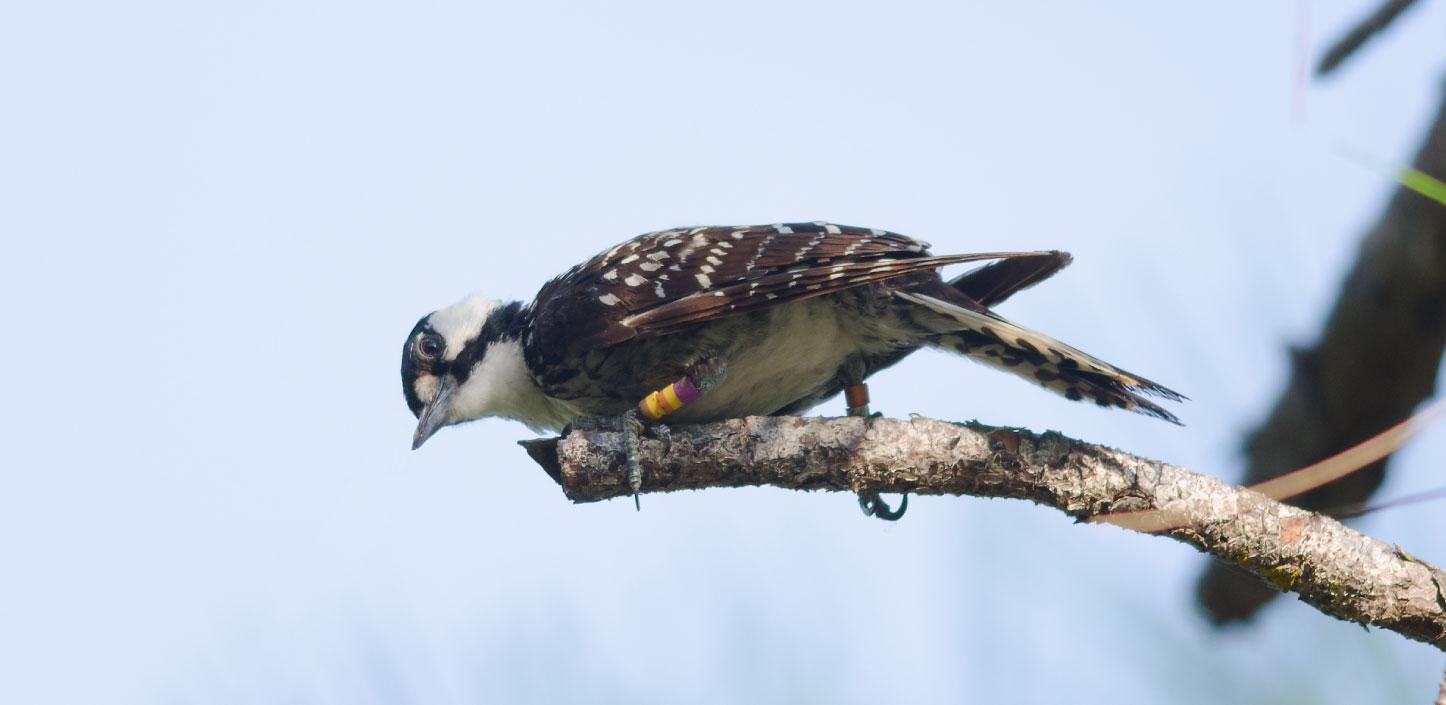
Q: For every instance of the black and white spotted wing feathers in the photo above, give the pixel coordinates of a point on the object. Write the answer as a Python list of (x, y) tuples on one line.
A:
[(664, 282), (669, 281)]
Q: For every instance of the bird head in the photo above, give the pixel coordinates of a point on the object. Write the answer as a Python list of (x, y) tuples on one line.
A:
[(459, 362)]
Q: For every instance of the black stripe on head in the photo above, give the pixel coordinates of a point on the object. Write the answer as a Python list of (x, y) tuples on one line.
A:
[(504, 323), (412, 367)]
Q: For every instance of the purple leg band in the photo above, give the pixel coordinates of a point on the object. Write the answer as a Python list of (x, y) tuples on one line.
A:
[(687, 393)]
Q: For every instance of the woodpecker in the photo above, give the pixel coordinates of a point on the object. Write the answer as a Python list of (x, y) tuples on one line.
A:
[(708, 323)]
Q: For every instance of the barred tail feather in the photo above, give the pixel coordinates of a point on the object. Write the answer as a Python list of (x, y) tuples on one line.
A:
[(987, 338)]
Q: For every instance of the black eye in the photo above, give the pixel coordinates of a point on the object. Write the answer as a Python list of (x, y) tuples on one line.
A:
[(429, 347)]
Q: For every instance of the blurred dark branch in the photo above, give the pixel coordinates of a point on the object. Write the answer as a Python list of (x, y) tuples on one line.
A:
[(1441, 696), (1376, 360), (1333, 568), (1347, 45)]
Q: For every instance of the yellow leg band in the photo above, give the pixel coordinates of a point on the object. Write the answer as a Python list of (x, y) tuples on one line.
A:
[(651, 408), (667, 400)]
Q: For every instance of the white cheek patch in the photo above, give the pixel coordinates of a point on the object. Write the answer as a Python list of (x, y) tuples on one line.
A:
[(425, 387), (500, 385), (461, 322), (491, 388)]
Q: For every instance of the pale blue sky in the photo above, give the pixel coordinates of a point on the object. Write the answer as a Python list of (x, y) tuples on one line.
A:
[(222, 219)]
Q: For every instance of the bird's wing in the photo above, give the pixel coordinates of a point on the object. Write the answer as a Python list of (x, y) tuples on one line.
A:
[(991, 284), (668, 281)]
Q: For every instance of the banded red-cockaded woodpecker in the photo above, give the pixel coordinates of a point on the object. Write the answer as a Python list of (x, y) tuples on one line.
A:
[(710, 323)]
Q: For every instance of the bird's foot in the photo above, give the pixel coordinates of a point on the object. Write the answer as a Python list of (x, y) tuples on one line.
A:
[(662, 433), (856, 394), (631, 426), (874, 506), (632, 429), (701, 377)]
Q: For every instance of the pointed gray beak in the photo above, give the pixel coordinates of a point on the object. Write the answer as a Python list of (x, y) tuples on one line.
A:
[(434, 416)]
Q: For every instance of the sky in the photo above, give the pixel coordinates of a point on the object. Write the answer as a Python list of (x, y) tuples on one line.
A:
[(222, 219)]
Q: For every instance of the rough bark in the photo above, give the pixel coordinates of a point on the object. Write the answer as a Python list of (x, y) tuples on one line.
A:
[(1376, 360), (1333, 568)]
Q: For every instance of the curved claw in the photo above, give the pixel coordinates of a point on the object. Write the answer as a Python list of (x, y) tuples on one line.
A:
[(874, 505)]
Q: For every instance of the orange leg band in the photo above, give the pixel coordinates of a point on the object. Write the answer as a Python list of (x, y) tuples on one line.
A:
[(857, 398), (668, 399)]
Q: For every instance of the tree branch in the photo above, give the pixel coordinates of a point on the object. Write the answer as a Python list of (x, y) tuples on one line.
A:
[(1368, 28), (1334, 569), (1377, 359)]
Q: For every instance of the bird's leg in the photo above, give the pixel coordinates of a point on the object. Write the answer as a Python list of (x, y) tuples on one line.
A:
[(630, 425), (632, 428), (856, 397), (700, 377)]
